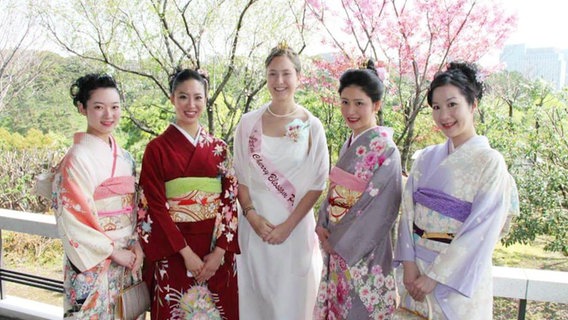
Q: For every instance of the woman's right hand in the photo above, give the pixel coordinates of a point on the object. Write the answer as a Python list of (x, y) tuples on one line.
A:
[(323, 235), (192, 262), (411, 273), (260, 225), (123, 257)]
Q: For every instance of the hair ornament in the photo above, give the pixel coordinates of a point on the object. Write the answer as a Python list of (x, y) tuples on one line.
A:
[(203, 73), (282, 45)]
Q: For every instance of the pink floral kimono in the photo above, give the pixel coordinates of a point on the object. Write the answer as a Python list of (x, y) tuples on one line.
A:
[(94, 208), (359, 212)]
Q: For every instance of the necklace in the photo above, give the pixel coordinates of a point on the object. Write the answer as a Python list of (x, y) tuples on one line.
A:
[(282, 115)]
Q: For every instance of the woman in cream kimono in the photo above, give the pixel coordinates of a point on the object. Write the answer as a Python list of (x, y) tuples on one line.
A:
[(458, 200), (356, 218), (281, 161), (94, 202)]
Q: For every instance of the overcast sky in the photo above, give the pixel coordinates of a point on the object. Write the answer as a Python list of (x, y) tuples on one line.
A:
[(542, 23)]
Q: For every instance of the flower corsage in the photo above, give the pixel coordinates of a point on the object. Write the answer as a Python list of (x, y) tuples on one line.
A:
[(297, 130)]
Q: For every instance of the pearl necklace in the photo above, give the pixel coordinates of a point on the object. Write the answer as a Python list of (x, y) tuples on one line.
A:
[(282, 115)]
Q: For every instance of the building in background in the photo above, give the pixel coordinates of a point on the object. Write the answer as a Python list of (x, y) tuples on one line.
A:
[(549, 64)]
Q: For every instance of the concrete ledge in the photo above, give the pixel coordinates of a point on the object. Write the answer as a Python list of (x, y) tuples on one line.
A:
[(20, 308), (25, 222), (530, 284)]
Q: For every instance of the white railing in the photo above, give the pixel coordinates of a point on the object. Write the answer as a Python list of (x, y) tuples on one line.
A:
[(517, 283), (14, 307)]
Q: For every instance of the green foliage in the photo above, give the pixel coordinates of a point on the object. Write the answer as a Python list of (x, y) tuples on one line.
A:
[(21, 159), (533, 141)]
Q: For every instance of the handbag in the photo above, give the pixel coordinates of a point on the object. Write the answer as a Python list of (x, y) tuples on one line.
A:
[(132, 301), (410, 313)]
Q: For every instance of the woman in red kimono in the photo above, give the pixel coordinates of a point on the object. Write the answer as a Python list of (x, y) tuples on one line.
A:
[(189, 230)]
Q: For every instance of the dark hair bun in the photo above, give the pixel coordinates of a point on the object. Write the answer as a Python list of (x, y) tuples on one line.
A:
[(471, 72), (82, 88), (371, 66)]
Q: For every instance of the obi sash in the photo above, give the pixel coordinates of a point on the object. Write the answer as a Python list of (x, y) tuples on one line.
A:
[(345, 191), (274, 180), (192, 199), (443, 203), (114, 200)]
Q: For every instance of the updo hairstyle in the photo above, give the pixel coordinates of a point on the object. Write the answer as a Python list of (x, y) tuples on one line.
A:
[(83, 87), (367, 79), (463, 75)]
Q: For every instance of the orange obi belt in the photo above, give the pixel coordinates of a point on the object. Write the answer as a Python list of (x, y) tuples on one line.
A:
[(192, 199), (345, 191)]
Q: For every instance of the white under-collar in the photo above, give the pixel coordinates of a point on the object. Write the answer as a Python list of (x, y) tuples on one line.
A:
[(192, 140)]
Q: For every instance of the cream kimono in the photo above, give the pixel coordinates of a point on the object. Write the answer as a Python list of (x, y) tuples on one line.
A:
[(94, 201), (455, 206)]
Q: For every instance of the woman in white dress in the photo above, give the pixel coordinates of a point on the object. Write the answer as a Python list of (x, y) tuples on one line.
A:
[(281, 160)]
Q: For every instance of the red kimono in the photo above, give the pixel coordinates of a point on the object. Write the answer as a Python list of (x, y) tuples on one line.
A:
[(190, 196)]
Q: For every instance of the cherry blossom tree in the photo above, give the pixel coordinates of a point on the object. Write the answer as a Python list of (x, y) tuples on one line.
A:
[(415, 39)]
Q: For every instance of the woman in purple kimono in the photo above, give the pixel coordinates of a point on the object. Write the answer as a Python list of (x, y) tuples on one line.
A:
[(355, 220), (456, 203)]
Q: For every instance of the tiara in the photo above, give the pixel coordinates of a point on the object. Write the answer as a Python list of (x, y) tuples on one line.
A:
[(282, 45)]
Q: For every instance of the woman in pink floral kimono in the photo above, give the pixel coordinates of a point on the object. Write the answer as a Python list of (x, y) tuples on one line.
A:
[(355, 220), (94, 200)]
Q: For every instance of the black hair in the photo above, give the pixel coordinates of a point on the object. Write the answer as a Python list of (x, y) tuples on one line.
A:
[(464, 76), (283, 50), (367, 79), (181, 75), (83, 87)]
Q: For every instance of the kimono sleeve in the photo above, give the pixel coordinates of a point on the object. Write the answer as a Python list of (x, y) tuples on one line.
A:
[(472, 248), (159, 235), (227, 235), (404, 249), (84, 241), (371, 219)]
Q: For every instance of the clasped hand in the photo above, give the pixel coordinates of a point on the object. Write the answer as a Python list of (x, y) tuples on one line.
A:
[(269, 233), (130, 258), (323, 235), (203, 270), (418, 285)]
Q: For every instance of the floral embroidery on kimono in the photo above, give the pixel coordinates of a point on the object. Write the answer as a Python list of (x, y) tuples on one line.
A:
[(94, 202), (360, 211), (189, 199)]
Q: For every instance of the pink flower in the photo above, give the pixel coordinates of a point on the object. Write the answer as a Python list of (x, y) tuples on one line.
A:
[(377, 269), (371, 159), (361, 150)]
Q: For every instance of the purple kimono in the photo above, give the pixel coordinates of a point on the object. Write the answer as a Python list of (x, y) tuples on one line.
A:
[(463, 198), (359, 212)]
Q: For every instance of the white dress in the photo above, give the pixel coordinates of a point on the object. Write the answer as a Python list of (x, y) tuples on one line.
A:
[(280, 281)]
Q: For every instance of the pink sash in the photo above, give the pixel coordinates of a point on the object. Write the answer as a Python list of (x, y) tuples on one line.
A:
[(115, 186), (273, 179)]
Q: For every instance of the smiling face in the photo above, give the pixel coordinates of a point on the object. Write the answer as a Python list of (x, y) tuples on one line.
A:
[(357, 109), (189, 101), (453, 114), (102, 112), (282, 79)]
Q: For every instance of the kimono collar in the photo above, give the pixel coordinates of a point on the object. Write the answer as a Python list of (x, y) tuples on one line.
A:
[(353, 138), (192, 140)]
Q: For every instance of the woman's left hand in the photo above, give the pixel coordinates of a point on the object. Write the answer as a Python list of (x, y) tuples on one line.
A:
[(279, 234), (212, 262), (137, 249), (424, 285)]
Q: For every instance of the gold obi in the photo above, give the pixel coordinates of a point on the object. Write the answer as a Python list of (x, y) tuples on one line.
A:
[(192, 199), (341, 199)]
